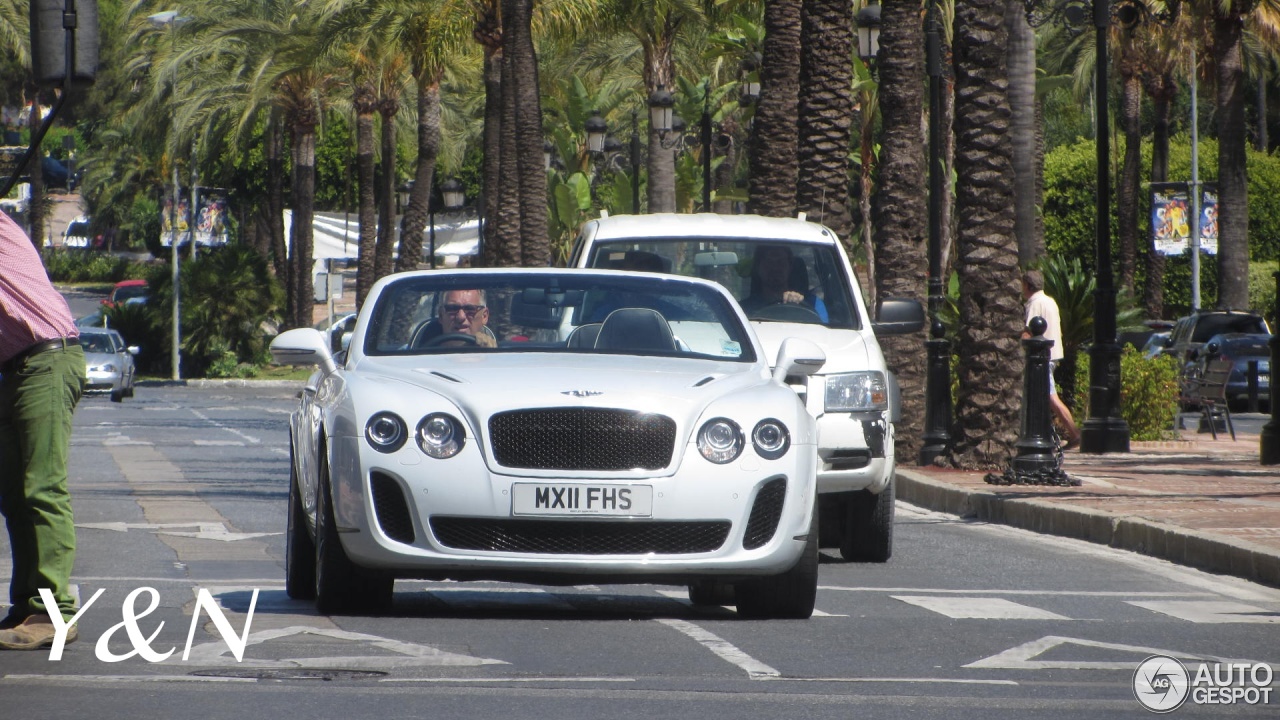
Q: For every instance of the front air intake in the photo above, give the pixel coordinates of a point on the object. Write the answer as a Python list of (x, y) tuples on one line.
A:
[(391, 508)]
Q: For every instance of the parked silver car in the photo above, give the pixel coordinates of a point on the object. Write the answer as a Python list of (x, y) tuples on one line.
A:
[(109, 362)]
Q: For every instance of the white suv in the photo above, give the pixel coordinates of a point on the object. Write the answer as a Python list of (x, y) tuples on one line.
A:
[(802, 286)]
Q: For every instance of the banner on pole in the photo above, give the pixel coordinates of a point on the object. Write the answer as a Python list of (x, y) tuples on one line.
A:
[(1171, 218)]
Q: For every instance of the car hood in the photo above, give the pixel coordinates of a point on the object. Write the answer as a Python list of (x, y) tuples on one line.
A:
[(481, 385), (101, 358), (847, 350)]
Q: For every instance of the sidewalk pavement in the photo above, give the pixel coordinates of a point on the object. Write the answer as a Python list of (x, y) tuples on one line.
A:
[(1196, 501)]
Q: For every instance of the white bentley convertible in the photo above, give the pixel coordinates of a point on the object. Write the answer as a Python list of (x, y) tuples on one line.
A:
[(556, 427)]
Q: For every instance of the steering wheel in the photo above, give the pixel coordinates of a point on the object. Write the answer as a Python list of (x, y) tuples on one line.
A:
[(464, 338), (786, 312)]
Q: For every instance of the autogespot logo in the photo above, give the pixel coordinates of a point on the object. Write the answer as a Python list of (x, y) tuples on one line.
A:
[(1161, 684)]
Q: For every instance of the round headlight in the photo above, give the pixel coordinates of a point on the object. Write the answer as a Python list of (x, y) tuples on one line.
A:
[(720, 440), (440, 436), (385, 432), (771, 439)]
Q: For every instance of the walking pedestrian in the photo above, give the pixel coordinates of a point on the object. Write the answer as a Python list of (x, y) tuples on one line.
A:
[(1040, 304), (42, 376)]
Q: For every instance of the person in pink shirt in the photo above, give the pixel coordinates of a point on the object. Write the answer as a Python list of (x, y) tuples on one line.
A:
[(42, 376)]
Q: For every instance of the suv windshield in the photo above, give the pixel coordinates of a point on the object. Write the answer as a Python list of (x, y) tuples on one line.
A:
[(771, 280), (575, 313)]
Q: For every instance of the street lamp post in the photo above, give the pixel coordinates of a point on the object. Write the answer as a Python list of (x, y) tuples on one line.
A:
[(635, 163), (171, 21), (937, 410)]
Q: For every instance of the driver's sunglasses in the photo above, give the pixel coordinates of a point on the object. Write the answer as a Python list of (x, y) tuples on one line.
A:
[(470, 310)]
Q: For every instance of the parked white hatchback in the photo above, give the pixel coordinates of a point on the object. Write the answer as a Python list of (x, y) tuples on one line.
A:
[(793, 279)]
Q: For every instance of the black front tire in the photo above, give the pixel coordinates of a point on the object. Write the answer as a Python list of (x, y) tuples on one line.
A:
[(710, 593), (299, 548), (342, 587), (868, 531), (788, 596), (117, 395)]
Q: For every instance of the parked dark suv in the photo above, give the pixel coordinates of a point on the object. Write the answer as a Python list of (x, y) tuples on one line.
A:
[(1190, 333)]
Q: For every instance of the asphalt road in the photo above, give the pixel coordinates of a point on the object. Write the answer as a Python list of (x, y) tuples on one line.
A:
[(182, 490)]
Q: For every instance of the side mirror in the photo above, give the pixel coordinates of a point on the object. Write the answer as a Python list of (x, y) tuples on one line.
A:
[(798, 356), (302, 346), (898, 316), (133, 349)]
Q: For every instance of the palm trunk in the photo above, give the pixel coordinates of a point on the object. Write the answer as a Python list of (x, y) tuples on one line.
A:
[(493, 255), (1022, 104), (773, 163), (302, 292), (991, 363), (825, 109), (1130, 174), (275, 199), (1233, 189), (366, 204), (901, 215), (726, 143), (535, 247), (37, 209), (417, 214), (505, 227), (1162, 91), (383, 259)]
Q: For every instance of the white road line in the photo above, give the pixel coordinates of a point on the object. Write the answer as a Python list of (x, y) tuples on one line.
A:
[(1211, 612), (930, 681), (510, 680), (970, 608), (60, 679), (219, 443), (1020, 657), (756, 670), (979, 591), (248, 438)]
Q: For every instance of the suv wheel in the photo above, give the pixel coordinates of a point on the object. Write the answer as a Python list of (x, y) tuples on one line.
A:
[(868, 527)]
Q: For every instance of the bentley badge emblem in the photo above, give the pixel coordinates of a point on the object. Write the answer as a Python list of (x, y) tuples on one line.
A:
[(581, 393)]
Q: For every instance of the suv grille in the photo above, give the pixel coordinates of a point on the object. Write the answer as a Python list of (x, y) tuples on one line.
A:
[(575, 537), (582, 439)]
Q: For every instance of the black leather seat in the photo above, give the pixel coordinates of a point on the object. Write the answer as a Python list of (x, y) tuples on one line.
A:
[(584, 336), (639, 329)]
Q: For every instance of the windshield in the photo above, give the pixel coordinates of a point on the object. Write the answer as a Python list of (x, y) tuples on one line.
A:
[(772, 281), (97, 343), (559, 313)]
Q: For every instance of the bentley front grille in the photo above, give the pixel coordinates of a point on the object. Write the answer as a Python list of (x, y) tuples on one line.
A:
[(765, 514), (582, 439), (391, 508), (571, 537)]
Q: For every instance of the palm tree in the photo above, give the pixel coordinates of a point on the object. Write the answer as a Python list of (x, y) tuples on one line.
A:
[(825, 107), (901, 231), (521, 85), (1022, 103), (390, 84), (991, 312), (774, 166), (364, 97)]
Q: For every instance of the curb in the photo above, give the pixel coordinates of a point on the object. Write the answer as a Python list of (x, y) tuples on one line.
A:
[(1124, 532)]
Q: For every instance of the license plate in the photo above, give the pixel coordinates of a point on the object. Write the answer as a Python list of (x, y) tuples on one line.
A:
[(613, 500)]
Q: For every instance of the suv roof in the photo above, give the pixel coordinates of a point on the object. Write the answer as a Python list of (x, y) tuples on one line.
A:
[(1207, 323), (711, 225)]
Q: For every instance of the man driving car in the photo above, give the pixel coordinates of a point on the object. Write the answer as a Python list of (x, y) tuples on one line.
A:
[(464, 312)]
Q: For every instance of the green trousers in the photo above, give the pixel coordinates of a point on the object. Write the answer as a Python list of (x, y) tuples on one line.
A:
[(36, 404)]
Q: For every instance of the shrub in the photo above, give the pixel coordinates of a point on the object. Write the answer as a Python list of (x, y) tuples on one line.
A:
[(89, 266), (1148, 394)]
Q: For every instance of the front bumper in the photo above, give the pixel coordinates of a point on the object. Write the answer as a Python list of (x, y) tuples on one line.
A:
[(453, 518), (100, 380), (855, 452)]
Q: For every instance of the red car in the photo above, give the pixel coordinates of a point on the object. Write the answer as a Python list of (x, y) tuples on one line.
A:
[(127, 291)]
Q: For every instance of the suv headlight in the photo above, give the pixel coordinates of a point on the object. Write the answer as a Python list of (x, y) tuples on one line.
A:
[(853, 392), (720, 440)]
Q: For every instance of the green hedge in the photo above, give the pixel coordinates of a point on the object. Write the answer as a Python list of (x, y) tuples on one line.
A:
[(85, 266), (1148, 394)]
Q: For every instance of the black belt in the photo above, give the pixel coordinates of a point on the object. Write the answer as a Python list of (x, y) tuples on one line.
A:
[(15, 362)]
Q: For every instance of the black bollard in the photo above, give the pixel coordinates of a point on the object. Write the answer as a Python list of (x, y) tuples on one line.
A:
[(937, 409), (1037, 461), (1269, 438)]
